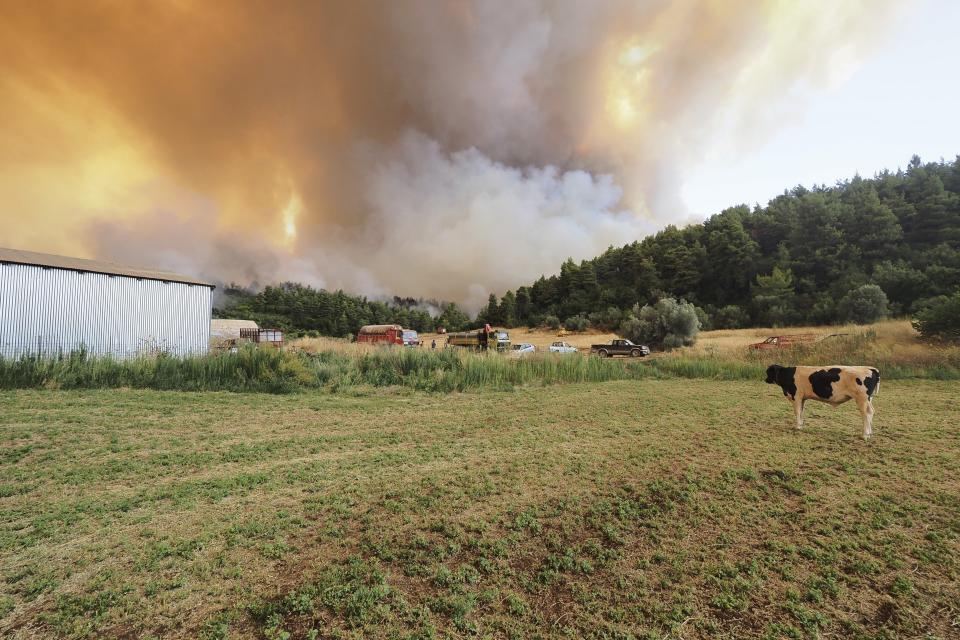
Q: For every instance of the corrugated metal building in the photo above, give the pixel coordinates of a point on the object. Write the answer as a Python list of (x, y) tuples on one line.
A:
[(54, 304)]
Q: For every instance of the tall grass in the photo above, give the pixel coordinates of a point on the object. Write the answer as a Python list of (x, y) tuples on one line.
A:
[(447, 370), (903, 357), (249, 369)]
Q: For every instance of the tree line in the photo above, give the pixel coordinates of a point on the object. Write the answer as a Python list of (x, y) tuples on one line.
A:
[(856, 251), (302, 310)]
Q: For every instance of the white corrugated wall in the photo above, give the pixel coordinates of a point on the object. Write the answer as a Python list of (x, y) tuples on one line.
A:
[(49, 311)]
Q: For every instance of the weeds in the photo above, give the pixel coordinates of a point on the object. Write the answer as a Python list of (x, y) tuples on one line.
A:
[(339, 369)]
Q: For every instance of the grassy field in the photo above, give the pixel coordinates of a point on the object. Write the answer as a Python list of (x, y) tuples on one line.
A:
[(634, 509), (339, 366)]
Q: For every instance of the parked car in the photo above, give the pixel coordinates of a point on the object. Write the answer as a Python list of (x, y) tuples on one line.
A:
[(620, 348), (522, 349), (563, 347), (411, 338)]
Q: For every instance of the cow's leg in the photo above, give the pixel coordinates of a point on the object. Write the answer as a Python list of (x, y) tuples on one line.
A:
[(798, 409), (866, 411)]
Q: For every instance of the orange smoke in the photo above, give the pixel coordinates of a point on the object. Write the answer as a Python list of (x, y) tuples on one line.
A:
[(264, 141)]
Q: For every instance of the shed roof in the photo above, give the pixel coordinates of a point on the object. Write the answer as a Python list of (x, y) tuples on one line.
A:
[(16, 256)]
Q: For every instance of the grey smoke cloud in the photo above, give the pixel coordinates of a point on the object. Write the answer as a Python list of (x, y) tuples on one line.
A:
[(416, 148)]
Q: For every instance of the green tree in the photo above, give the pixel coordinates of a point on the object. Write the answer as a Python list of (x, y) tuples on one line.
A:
[(507, 310), (941, 320), (491, 313), (668, 324), (902, 283), (578, 322), (773, 297), (452, 318), (731, 317), (864, 305), (523, 305), (731, 255)]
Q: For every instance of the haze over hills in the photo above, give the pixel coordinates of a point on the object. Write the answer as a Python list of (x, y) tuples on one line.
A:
[(791, 262), (439, 150)]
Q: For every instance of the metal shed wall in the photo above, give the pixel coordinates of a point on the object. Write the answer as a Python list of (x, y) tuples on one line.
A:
[(48, 311)]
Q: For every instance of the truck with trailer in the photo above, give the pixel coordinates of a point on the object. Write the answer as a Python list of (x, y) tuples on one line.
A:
[(383, 334)]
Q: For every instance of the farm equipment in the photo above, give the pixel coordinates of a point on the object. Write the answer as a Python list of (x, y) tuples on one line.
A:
[(787, 341), (784, 341)]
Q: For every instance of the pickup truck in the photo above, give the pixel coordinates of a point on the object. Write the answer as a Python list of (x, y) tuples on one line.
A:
[(620, 348), (562, 347)]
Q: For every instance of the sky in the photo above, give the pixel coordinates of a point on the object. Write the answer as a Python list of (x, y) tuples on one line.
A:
[(442, 150), (900, 101)]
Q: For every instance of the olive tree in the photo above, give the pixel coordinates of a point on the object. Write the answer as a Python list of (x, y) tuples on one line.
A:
[(668, 324), (940, 320), (863, 305)]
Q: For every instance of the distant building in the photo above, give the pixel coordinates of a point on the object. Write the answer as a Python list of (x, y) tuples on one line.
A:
[(229, 329), (55, 304)]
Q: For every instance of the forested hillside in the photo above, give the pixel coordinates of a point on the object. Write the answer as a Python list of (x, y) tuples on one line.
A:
[(303, 310), (794, 261)]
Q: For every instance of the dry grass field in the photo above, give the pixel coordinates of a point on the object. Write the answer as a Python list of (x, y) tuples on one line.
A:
[(638, 509), (894, 334)]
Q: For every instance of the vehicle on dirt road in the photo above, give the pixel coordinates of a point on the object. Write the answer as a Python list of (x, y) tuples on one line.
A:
[(563, 347), (480, 339), (411, 338), (620, 348), (522, 349)]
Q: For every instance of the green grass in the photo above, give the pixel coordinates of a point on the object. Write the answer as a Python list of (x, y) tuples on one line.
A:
[(651, 508), (442, 371)]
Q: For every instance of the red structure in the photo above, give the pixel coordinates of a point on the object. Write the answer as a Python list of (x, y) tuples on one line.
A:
[(381, 334)]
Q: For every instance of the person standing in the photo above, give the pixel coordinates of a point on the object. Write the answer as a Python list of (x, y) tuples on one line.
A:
[(433, 343)]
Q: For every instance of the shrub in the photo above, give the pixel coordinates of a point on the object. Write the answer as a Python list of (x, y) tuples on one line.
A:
[(667, 324), (606, 320), (731, 317), (940, 320), (864, 305), (578, 322), (552, 322), (705, 322)]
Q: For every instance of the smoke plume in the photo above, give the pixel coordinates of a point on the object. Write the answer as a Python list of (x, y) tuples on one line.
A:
[(437, 149)]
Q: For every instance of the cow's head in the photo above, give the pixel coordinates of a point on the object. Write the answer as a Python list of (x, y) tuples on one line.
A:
[(772, 372)]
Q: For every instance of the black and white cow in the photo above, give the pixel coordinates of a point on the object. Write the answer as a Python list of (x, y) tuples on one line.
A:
[(833, 385)]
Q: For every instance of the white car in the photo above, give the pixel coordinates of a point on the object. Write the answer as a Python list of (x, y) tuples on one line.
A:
[(563, 347), (522, 349)]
